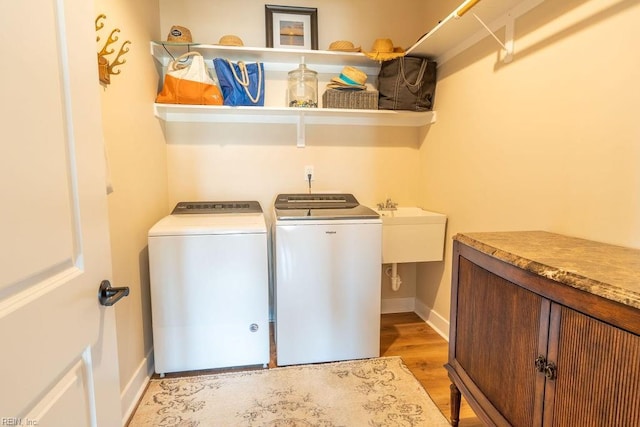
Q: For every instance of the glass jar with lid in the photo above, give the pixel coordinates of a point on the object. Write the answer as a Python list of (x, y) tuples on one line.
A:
[(303, 87)]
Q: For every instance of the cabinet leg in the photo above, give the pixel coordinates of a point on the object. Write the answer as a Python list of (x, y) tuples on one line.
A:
[(455, 405)]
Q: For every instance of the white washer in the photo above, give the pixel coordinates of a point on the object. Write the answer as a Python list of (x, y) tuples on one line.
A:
[(208, 264), (327, 283)]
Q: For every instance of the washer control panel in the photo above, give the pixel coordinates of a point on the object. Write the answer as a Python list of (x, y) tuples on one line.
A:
[(217, 207)]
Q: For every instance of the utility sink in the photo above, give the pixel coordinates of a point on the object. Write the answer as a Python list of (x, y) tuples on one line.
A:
[(412, 234)]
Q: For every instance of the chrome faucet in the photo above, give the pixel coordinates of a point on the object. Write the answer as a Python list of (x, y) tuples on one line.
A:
[(388, 205)]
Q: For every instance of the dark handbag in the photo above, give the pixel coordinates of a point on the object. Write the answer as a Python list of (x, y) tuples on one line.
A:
[(407, 83), (241, 84)]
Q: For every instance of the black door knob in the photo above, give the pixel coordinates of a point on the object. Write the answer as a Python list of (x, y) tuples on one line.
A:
[(108, 295)]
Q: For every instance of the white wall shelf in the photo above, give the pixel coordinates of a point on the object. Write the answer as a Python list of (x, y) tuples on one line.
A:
[(459, 30), (282, 60), (299, 117)]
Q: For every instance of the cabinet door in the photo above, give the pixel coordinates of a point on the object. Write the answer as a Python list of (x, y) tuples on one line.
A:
[(598, 373), (497, 341)]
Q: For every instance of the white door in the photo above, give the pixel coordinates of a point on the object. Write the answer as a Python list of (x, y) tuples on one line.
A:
[(58, 359)]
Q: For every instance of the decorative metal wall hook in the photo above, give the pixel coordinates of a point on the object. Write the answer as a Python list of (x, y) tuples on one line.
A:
[(106, 68)]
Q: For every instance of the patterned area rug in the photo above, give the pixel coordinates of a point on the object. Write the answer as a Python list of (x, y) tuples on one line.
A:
[(373, 393)]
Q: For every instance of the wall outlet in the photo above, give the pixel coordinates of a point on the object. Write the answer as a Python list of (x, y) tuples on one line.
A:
[(308, 170)]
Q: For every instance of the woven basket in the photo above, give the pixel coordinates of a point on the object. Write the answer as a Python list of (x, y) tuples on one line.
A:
[(355, 100)]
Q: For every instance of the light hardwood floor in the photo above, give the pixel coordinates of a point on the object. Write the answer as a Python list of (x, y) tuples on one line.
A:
[(425, 353)]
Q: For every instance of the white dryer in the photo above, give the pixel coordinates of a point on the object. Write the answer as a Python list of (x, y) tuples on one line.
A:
[(208, 264)]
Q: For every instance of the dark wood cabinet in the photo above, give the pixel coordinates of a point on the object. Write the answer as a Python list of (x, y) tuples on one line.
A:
[(528, 350)]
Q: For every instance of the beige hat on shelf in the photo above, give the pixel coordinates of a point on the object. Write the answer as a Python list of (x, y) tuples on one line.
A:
[(384, 50), (230, 40), (179, 34), (350, 78), (344, 46)]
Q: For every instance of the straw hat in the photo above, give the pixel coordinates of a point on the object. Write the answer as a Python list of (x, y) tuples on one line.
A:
[(230, 40), (350, 78), (344, 46), (179, 34), (383, 50)]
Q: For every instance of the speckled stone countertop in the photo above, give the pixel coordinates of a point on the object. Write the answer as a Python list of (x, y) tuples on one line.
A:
[(612, 272)]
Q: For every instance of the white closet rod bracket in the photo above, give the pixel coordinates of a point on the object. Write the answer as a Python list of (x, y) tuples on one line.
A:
[(507, 46), (509, 34), (301, 131)]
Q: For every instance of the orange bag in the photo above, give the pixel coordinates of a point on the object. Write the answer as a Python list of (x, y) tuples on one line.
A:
[(189, 83)]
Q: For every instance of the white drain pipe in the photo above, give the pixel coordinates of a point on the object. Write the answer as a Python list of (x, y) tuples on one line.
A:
[(392, 273)]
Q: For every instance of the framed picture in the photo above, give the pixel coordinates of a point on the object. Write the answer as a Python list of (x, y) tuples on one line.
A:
[(291, 27)]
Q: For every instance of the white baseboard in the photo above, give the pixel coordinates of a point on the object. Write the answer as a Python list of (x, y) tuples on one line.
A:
[(135, 388), (433, 319), (397, 305)]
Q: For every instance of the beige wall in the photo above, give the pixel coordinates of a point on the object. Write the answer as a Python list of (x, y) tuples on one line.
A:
[(550, 141), (137, 160), (361, 21)]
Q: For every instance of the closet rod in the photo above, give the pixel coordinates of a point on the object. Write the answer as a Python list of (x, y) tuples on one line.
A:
[(465, 7)]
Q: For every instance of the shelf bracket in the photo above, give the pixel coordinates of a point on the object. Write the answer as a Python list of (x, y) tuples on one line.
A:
[(507, 46), (301, 131)]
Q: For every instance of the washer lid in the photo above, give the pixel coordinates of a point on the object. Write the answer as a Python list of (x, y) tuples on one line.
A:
[(210, 224)]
